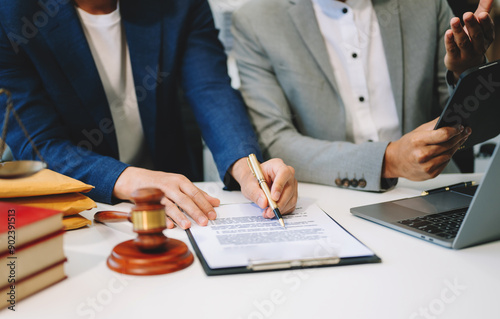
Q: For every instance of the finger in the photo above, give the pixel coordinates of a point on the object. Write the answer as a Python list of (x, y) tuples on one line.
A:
[(289, 193), (176, 215), (215, 202), (475, 32), (253, 192), (441, 135), (452, 145), (460, 140), (484, 6), (283, 176), (170, 223), (435, 166), (452, 142), (274, 173), (194, 202), (288, 200), (271, 167), (460, 36), (268, 213), (488, 27), (429, 126), (192, 209), (452, 49)]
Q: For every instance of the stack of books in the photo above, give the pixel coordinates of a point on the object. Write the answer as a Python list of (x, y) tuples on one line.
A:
[(31, 251)]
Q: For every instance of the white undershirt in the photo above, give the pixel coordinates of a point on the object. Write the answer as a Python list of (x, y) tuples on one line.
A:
[(109, 49), (352, 38)]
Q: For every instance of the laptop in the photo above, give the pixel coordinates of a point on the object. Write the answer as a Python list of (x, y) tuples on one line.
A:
[(456, 219)]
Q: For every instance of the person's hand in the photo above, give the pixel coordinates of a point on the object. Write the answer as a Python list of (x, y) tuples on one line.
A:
[(466, 46), (279, 176), (180, 194), (424, 152)]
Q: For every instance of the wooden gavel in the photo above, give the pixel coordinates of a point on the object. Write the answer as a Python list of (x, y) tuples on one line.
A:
[(151, 253)]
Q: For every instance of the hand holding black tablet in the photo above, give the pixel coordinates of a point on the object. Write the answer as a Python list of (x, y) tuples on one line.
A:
[(475, 103)]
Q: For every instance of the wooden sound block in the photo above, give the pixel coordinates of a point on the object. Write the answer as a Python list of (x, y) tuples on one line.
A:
[(126, 258)]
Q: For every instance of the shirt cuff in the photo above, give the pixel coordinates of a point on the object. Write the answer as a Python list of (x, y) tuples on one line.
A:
[(230, 183), (450, 81), (388, 183)]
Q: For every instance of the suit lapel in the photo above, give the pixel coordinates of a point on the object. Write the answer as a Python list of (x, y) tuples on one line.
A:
[(142, 24), (302, 14), (64, 35), (304, 18), (390, 27)]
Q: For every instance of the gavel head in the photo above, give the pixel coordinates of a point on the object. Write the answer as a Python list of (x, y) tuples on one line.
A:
[(151, 253), (148, 218)]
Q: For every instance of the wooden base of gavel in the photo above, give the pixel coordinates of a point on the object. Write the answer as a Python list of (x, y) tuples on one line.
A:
[(151, 253)]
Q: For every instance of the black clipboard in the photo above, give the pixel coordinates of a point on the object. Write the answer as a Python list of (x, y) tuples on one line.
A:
[(286, 264), (475, 103)]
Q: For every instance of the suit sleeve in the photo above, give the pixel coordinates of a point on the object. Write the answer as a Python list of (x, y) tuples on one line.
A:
[(315, 161), (218, 108), (39, 116)]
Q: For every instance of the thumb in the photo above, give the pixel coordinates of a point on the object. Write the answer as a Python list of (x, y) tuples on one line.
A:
[(429, 126)]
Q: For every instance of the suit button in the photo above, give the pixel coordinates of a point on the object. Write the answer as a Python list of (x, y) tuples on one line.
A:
[(362, 183), (345, 182), (354, 182), (338, 182)]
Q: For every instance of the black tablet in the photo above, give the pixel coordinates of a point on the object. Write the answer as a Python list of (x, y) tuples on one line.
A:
[(475, 103)]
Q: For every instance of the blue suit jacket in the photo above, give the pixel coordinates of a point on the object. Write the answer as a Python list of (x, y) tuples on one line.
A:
[(46, 62)]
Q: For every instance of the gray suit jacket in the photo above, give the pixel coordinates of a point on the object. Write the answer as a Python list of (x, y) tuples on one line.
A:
[(289, 86)]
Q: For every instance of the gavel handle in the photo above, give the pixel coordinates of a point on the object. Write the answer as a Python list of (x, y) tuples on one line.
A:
[(109, 216)]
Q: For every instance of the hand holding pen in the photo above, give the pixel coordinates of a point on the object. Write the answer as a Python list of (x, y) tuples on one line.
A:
[(280, 179), (254, 165), (288, 202)]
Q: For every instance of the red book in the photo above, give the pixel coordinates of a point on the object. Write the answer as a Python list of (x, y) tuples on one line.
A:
[(13, 292), (31, 257), (31, 251), (21, 224)]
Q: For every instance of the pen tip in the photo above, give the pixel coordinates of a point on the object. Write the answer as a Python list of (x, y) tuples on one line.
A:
[(282, 222)]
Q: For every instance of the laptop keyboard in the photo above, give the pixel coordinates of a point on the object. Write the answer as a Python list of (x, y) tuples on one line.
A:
[(444, 225)]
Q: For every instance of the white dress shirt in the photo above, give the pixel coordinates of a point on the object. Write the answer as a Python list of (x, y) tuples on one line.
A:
[(352, 37), (109, 49)]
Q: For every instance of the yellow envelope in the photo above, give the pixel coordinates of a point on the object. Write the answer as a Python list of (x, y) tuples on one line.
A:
[(45, 182), (75, 222), (69, 204)]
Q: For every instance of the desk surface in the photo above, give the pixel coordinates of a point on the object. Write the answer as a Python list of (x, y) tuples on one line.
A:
[(416, 279)]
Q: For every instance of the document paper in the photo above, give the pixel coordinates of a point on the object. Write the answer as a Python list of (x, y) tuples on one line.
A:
[(240, 235)]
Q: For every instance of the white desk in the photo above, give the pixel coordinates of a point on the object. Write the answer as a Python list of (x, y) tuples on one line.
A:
[(416, 279)]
